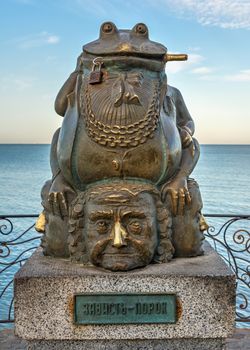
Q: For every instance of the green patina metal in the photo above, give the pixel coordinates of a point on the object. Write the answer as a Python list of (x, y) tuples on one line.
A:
[(120, 196), (124, 308)]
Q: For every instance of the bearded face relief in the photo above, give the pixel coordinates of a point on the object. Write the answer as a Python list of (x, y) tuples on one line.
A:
[(187, 239), (121, 111), (121, 236)]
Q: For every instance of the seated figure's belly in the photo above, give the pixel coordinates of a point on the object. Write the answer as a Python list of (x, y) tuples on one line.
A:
[(153, 161)]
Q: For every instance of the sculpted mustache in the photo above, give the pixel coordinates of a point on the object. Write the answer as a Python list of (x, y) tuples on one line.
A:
[(101, 246)]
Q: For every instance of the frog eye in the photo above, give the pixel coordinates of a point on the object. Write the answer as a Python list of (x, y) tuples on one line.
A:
[(108, 27), (141, 28)]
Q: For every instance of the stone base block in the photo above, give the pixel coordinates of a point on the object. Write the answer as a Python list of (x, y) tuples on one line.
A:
[(204, 286), (10, 342), (240, 340)]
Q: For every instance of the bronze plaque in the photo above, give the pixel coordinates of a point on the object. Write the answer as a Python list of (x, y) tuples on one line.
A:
[(124, 308)]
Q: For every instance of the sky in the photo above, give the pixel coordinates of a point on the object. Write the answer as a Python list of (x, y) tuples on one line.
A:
[(41, 40)]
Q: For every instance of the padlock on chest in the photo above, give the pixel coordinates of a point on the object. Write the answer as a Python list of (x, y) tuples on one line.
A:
[(95, 76)]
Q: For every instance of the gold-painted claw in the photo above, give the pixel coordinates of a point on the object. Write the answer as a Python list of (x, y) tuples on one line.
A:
[(40, 223)]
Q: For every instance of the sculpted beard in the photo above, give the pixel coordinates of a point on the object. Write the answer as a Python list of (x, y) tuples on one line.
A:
[(140, 254), (121, 100), (121, 117)]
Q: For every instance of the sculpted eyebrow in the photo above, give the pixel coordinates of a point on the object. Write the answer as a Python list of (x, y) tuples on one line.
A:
[(133, 214), (101, 215)]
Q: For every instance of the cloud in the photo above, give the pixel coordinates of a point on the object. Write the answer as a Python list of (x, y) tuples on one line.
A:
[(209, 77), (15, 82), (202, 70), (23, 83), (37, 40), (178, 66), (233, 14), (53, 39), (194, 49), (206, 73), (98, 7), (242, 76)]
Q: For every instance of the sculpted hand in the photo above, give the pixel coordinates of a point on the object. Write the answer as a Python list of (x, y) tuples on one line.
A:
[(58, 204), (178, 193), (186, 138), (60, 195)]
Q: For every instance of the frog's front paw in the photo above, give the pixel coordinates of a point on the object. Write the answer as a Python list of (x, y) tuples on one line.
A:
[(58, 204)]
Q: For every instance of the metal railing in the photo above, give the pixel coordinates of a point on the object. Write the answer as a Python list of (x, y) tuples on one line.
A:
[(230, 237)]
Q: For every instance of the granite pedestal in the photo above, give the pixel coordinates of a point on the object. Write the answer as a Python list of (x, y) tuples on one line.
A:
[(204, 286)]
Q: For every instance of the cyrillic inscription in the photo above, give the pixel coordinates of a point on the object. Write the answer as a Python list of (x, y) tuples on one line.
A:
[(125, 308)]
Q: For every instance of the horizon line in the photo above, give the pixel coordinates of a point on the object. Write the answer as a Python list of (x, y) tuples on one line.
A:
[(201, 144)]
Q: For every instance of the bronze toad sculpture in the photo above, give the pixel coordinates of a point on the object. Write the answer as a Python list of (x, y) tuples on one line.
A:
[(120, 196)]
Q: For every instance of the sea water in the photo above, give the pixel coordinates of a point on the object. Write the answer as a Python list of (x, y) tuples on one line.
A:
[(223, 174)]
